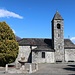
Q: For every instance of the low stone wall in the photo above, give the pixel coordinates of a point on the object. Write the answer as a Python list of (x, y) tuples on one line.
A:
[(27, 68)]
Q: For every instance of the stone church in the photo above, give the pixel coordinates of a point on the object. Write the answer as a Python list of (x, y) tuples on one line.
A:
[(46, 50)]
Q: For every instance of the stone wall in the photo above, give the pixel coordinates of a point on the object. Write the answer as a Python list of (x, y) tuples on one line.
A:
[(69, 55), (58, 40), (37, 57), (23, 51)]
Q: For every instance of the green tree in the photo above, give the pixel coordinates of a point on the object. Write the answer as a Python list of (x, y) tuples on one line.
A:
[(8, 45)]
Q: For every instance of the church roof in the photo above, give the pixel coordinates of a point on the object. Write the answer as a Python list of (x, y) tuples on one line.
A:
[(44, 43), (57, 16), (35, 41), (68, 44)]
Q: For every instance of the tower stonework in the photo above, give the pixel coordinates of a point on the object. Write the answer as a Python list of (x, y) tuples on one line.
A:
[(58, 37)]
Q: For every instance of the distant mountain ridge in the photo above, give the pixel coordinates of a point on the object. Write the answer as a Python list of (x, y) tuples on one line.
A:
[(18, 38)]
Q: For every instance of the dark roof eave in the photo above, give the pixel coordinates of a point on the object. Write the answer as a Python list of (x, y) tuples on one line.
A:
[(58, 19), (44, 50), (30, 45), (69, 47)]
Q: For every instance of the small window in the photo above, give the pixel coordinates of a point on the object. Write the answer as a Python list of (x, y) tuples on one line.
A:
[(59, 46), (43, 54), (58, 35), (58, 26)]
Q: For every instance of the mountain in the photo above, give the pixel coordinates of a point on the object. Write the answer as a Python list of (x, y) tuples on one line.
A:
[(18, 38)]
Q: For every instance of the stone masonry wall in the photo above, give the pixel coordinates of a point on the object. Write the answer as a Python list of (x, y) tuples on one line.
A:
[(69, 55), (58, 40), (37, 57), (23, 51)]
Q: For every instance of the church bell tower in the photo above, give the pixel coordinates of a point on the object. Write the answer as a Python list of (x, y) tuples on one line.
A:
[(58, 37)]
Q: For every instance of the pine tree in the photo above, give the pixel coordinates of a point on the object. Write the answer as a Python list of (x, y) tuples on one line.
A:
[(8, 45)]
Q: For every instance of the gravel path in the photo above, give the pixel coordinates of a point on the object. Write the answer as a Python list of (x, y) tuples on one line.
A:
[(50, 69)]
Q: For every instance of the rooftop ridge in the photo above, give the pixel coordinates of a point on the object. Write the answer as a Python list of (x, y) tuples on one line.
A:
[(57, 16)]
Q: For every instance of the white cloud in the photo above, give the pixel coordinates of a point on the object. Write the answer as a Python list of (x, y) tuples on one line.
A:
[(13, 31), (72, 39), (6, 13)]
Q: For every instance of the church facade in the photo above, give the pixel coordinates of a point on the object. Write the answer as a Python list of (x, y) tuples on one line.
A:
[(46, 50)]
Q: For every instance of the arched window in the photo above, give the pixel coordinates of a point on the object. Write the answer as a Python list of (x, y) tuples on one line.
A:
[(58, 26)]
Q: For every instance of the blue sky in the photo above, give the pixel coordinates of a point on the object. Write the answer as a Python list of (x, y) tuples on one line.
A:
[(32, 18)]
